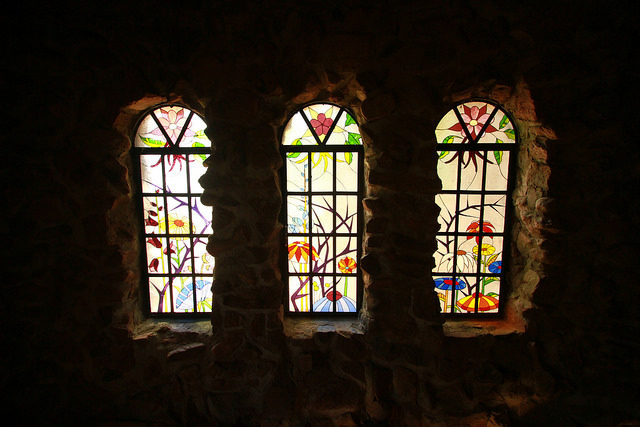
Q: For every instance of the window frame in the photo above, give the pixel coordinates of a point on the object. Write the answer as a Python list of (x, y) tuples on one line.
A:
[(513, 149), (138, 196), (360, 193)]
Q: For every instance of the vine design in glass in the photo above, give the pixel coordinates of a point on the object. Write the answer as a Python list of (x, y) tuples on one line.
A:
[(170, 147), (322, 178), (476, 144)]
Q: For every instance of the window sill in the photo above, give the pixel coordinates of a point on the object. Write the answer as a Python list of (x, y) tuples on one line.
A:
[(512, 323), (305, 328), (152, 327)]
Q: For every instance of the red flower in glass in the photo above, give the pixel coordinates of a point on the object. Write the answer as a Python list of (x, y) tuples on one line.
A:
[(322, 124), (474, 227), (474, 118)]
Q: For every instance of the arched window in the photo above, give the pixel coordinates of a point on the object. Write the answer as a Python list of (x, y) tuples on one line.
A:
[(476, 142), (169, 150), (322, 192)]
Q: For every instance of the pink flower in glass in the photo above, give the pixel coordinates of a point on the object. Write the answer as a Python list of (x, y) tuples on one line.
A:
[(172, 121), (474, 118), (322, 124)]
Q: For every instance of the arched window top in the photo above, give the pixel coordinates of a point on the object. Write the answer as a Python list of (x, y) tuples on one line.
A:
[(171, 126), (170, 147), (322, 184), (476, 122), (476, 155), (321, 124)]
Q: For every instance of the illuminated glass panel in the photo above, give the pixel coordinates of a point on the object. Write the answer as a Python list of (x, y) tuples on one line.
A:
[(170, 147), (322, 183), (476, 142)]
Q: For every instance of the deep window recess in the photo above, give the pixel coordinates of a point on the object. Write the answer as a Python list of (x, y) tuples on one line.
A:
[(169, 150), (476, 143), (322, 182)]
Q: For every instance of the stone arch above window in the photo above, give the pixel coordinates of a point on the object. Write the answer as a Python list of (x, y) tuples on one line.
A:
[(322, 185), (477, 145), (169, 150)]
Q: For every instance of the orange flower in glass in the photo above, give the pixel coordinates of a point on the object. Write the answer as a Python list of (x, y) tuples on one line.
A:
[(322, 124), (347, 265), (300, 250)]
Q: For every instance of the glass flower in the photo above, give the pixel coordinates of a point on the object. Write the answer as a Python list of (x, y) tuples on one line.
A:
[(487, 249), (347, 265), (321, 124)]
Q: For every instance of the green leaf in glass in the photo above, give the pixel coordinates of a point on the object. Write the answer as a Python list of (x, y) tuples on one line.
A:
[(152, 142), (504, 121), (349, 120), (353, 139)]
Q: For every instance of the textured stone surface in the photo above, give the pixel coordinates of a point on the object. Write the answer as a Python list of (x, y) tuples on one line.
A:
[(80, 346)]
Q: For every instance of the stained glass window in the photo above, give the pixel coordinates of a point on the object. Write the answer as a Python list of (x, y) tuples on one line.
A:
[(476, 143), (170, 147), (322, 184)]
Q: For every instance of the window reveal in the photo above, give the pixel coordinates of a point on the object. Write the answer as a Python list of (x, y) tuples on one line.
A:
[(170, 147), (476, 143), (322, 186)]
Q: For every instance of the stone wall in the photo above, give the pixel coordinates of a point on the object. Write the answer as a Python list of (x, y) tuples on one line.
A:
[(80, 345)]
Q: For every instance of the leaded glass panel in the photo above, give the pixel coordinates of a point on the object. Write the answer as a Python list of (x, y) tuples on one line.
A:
[(322, 183), (476, 149), (171, 146)]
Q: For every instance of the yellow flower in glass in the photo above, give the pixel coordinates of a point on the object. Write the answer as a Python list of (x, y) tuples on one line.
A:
[(487, 249), (177, 225)]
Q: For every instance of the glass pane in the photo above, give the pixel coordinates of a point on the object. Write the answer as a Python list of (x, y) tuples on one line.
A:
[(443, 255), (204, 262), (183, 294), (467, 285), (322, 214), (323, 294), (497, 170), (346, 214), (299, 300), (297, 132), (300, 254), (490, 255), (449, 130), (178, 216), (448, 169), (345, 132), (500, 131), (347, 171), (468, 212), (201, 216), (446, 219), (149, 135), (159, 295), (471, 173), (204, 296), (346, 294), (322, 171), (176, 173), (172, 120), (347, 254), (151, 173), (194, 136), (153, 214), (297, 171), (179, 251), (196, 170), (494, 208), (158, 261), (297, 214), (324, 262), (321, 117)]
